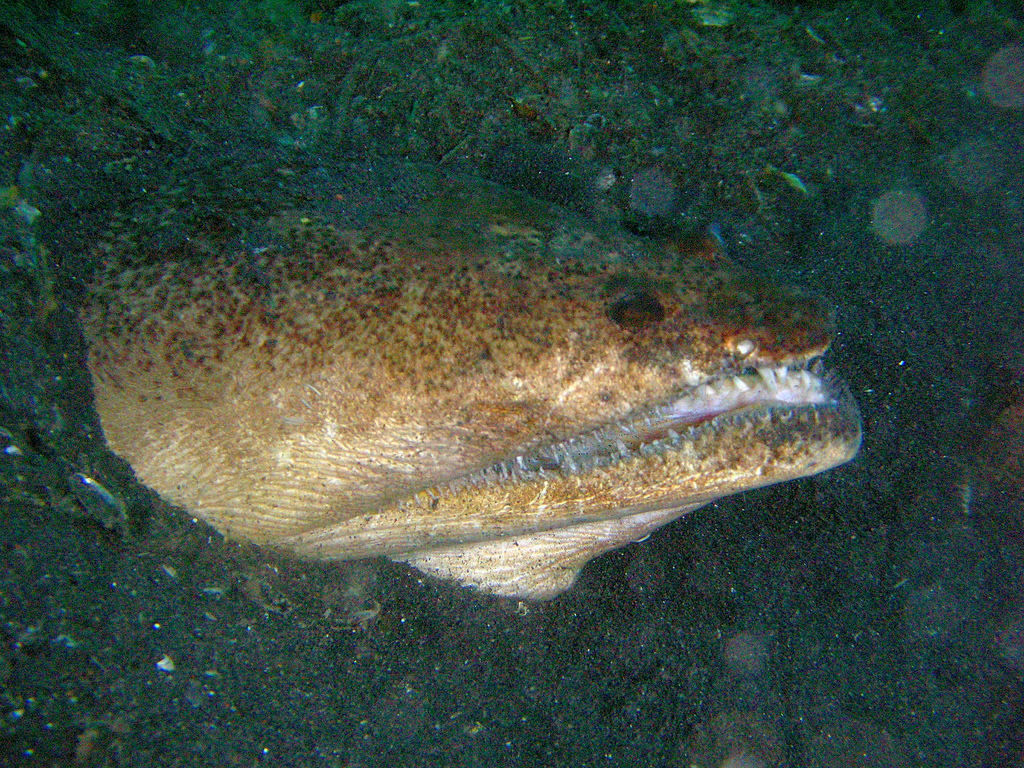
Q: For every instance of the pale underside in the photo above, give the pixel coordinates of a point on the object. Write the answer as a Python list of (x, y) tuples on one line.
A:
[(286, 473)]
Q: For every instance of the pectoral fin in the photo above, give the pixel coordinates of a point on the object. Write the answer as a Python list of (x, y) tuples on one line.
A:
[(536, 566)]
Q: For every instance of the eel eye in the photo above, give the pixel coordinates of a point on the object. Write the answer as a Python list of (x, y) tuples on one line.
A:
[(636, 309)]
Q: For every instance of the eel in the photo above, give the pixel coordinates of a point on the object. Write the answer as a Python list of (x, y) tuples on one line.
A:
[(486, 387)]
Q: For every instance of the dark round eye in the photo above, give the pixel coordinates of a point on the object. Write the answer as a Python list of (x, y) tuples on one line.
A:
[(636, 309)]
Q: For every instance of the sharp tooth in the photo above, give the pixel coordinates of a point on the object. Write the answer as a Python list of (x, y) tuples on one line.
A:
[(707, 391), (673, 436), (740, 384), (783, 372), (566, 460), (768, 375), (623, 450), (805, 379)]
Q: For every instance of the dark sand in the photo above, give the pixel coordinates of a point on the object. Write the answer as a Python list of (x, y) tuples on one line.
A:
[(871, 616)]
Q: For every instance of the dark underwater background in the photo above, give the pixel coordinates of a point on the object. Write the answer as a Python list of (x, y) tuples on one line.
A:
[(870, 151)]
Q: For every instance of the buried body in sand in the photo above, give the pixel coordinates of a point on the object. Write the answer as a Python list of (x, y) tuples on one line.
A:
[(486, 388)]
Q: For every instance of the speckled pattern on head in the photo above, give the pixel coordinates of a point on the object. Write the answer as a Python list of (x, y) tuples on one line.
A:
[(487, 387)]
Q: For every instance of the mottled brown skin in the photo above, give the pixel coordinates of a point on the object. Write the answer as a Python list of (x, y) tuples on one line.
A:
[(306, 398)]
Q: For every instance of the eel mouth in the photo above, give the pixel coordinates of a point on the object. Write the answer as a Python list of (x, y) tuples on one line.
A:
[(781, 392)]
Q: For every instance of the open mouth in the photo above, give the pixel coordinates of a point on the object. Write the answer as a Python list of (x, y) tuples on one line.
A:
[(661, 428)]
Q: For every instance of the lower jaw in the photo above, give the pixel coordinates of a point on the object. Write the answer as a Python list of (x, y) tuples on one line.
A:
[(706, 406)]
